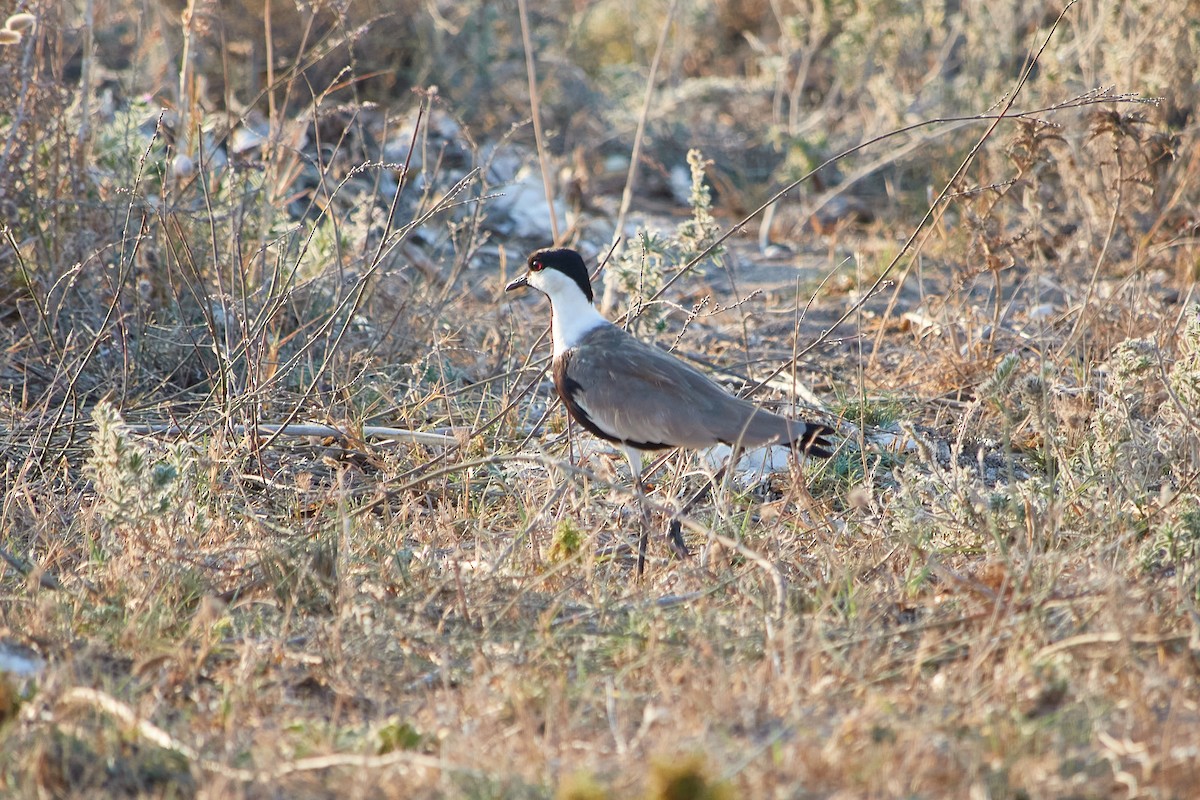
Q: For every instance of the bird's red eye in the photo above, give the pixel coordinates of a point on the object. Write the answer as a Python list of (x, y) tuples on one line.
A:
[(536, 266)]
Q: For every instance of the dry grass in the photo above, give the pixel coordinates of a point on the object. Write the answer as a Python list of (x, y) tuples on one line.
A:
[(991, 590)]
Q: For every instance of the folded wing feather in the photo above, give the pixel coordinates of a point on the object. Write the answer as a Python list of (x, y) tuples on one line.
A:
[(635, 392)]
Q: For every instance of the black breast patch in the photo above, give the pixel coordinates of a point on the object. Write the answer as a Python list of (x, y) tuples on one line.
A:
[(567, 388)]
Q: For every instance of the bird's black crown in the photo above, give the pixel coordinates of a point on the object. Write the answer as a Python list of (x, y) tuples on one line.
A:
[(566, 261)]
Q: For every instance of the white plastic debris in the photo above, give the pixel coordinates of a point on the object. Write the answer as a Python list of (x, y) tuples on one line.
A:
[(521, 210)]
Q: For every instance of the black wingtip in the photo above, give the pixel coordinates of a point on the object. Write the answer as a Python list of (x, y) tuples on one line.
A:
[(816, 440)]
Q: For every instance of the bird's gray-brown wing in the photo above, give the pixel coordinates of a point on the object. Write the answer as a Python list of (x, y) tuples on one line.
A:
[(633, 392)]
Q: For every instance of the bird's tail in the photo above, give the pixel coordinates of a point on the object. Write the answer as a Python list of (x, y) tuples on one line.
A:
[(814, 439)]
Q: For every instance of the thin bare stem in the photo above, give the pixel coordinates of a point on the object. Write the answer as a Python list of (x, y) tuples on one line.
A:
[(635, 156), (535, 111)]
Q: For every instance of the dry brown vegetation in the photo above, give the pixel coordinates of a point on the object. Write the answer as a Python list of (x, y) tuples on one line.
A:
[(990, 591)]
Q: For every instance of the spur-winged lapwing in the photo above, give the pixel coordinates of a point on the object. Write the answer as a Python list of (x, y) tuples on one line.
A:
[(638, 396)]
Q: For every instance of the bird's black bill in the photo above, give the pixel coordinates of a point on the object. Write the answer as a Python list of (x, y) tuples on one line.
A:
[(518, 283)]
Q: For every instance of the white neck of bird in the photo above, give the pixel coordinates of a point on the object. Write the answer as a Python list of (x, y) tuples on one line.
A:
[(573, 318)]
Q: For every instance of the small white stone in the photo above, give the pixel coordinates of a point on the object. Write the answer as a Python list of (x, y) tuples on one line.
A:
[(183, 166)]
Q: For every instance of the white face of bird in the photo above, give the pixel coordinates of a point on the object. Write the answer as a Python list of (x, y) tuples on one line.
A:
[(559, 287), (562, 276)]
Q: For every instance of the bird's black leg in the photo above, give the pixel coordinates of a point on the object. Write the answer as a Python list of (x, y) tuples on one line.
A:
[(635, 468), (644, 533), (675, 539), (675, 529), (643, 539)]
